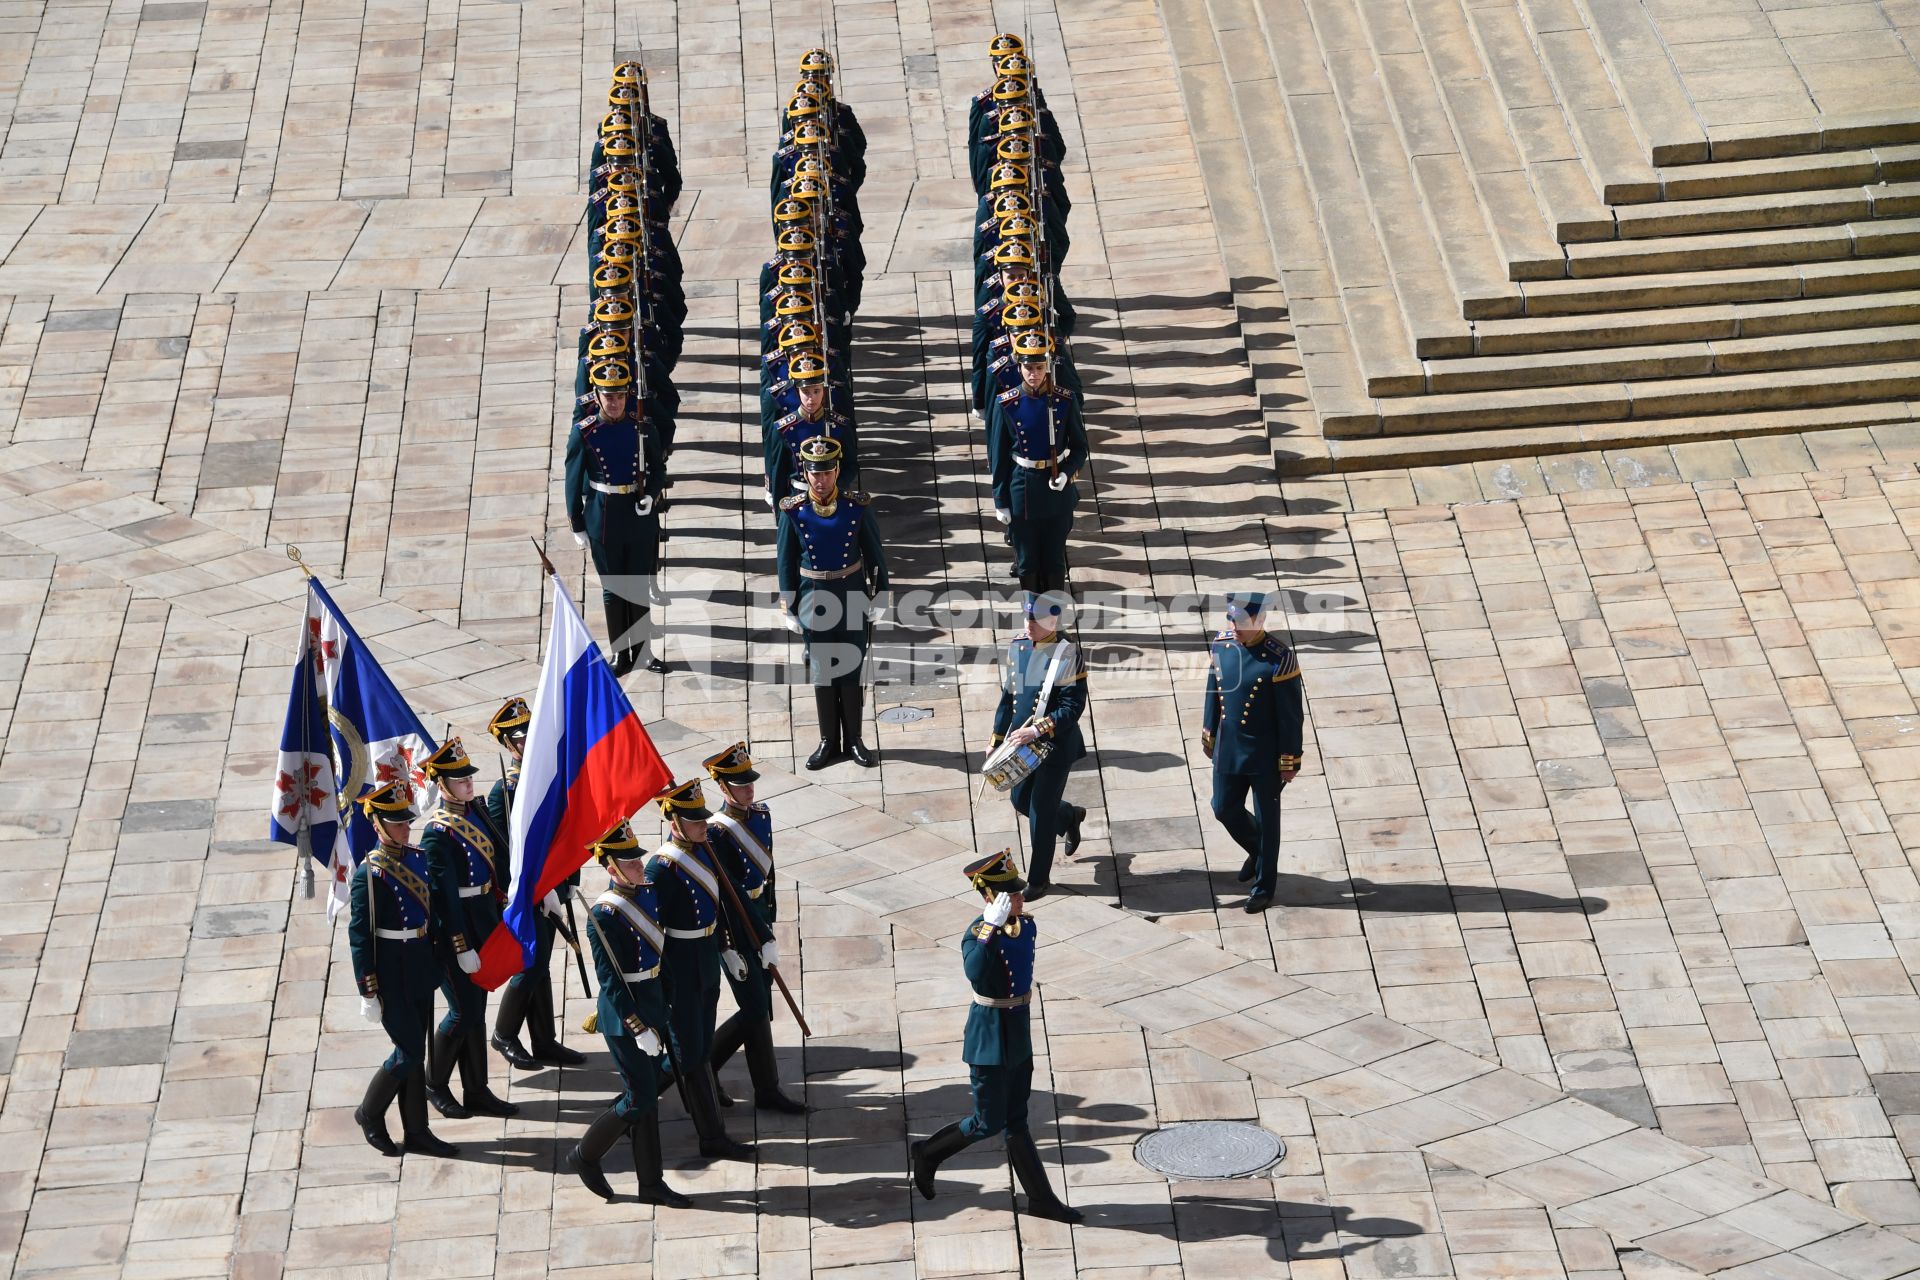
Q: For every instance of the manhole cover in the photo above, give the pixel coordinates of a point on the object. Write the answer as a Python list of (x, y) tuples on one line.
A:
[(1209, 1149), (903, 714)]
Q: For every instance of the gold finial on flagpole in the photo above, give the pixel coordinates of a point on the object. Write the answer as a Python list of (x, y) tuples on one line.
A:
[(293, 554)]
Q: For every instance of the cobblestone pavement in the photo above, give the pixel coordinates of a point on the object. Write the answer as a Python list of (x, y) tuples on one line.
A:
[(1598, 911)]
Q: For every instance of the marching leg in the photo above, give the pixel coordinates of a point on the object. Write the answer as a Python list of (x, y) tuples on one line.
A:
[(442, 1056), (415, 1135), (584, 1159), (645, 1134), (508, 1020), (766, 1077), (371, 1114)]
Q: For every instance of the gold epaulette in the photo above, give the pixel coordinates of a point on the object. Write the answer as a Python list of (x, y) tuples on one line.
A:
[(793, 502), (858, 497)]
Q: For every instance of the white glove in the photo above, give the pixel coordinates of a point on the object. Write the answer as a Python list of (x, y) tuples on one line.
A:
[(767, 493), (998, 910), (579, 539), (649, 1042), (770, 954), (736, 965), (792, 623), (551, 904), (1003, 516), (644, 506), (878, 606), (1059, 483), (469, 961), (370, 1008)]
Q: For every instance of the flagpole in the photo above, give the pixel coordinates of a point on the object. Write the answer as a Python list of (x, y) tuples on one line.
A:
[(306, 864)]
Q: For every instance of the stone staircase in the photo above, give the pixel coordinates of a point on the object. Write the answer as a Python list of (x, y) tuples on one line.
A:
[(1502, 230)]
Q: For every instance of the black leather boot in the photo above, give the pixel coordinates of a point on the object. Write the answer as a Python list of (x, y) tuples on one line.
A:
[(584, 1159), (371, 1114), (853, 697), (1041, 1202), (826, 708), (478, 1096), (415, 1136), (930, 1153), (1247, 869), (542, 1024), (645, 1133), (507, 1022), (443, 1054), (643, 653), (727, 1039), (1075, 816), (765, 1073), (620, 659), (714, 1142)]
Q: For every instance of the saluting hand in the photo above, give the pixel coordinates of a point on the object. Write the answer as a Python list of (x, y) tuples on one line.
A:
[(998, 910)]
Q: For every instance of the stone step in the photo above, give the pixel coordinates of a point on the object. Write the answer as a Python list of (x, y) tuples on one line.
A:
[(1758, 212), (1528, 110), (1684, 289), (1730, 249), (1440, 449), (1426, 215), (1676, 360), (1647, 81), (1611, 150), (1831, 132), (1711, 323), (1825, 171), (1651, 398)]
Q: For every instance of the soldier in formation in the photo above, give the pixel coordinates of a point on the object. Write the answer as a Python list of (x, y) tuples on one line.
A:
[(625, 401), (741, 834), (389, 928), (466, 868), (1025, 384), (704, 931), (527, 1000), (997, 950), (629, 945)]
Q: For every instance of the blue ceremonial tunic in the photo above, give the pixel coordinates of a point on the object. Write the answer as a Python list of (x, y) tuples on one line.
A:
[(616, 453), (627, 960), (1043, 428), (842, 543), (689, 912), (390, 890)]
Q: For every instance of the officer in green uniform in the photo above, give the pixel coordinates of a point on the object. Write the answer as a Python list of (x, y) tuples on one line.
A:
[(623, 930), (389, 909), (466, 860), (1036, 446), (702, 934), (1043, 694), (527, 999), (741, 835), (1253, 731), (832, 570), (998, 950)]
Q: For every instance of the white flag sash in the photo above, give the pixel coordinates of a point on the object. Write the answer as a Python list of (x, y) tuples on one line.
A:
[(644, 925), (755, 851), (684, 861)]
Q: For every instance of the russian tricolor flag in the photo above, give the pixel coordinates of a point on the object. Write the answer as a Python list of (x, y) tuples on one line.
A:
[(588, 764)]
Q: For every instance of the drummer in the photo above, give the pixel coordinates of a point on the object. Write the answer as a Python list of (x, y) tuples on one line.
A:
[(1043, 694)]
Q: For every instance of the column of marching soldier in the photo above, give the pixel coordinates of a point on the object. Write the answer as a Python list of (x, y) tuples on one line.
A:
[(701, 905)]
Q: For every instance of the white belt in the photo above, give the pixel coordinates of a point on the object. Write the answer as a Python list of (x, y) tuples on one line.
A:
[(1003, 1002), (1039, 464), (643, 975), (597, 487), (475, 890), (401, 935), (691, 933)]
